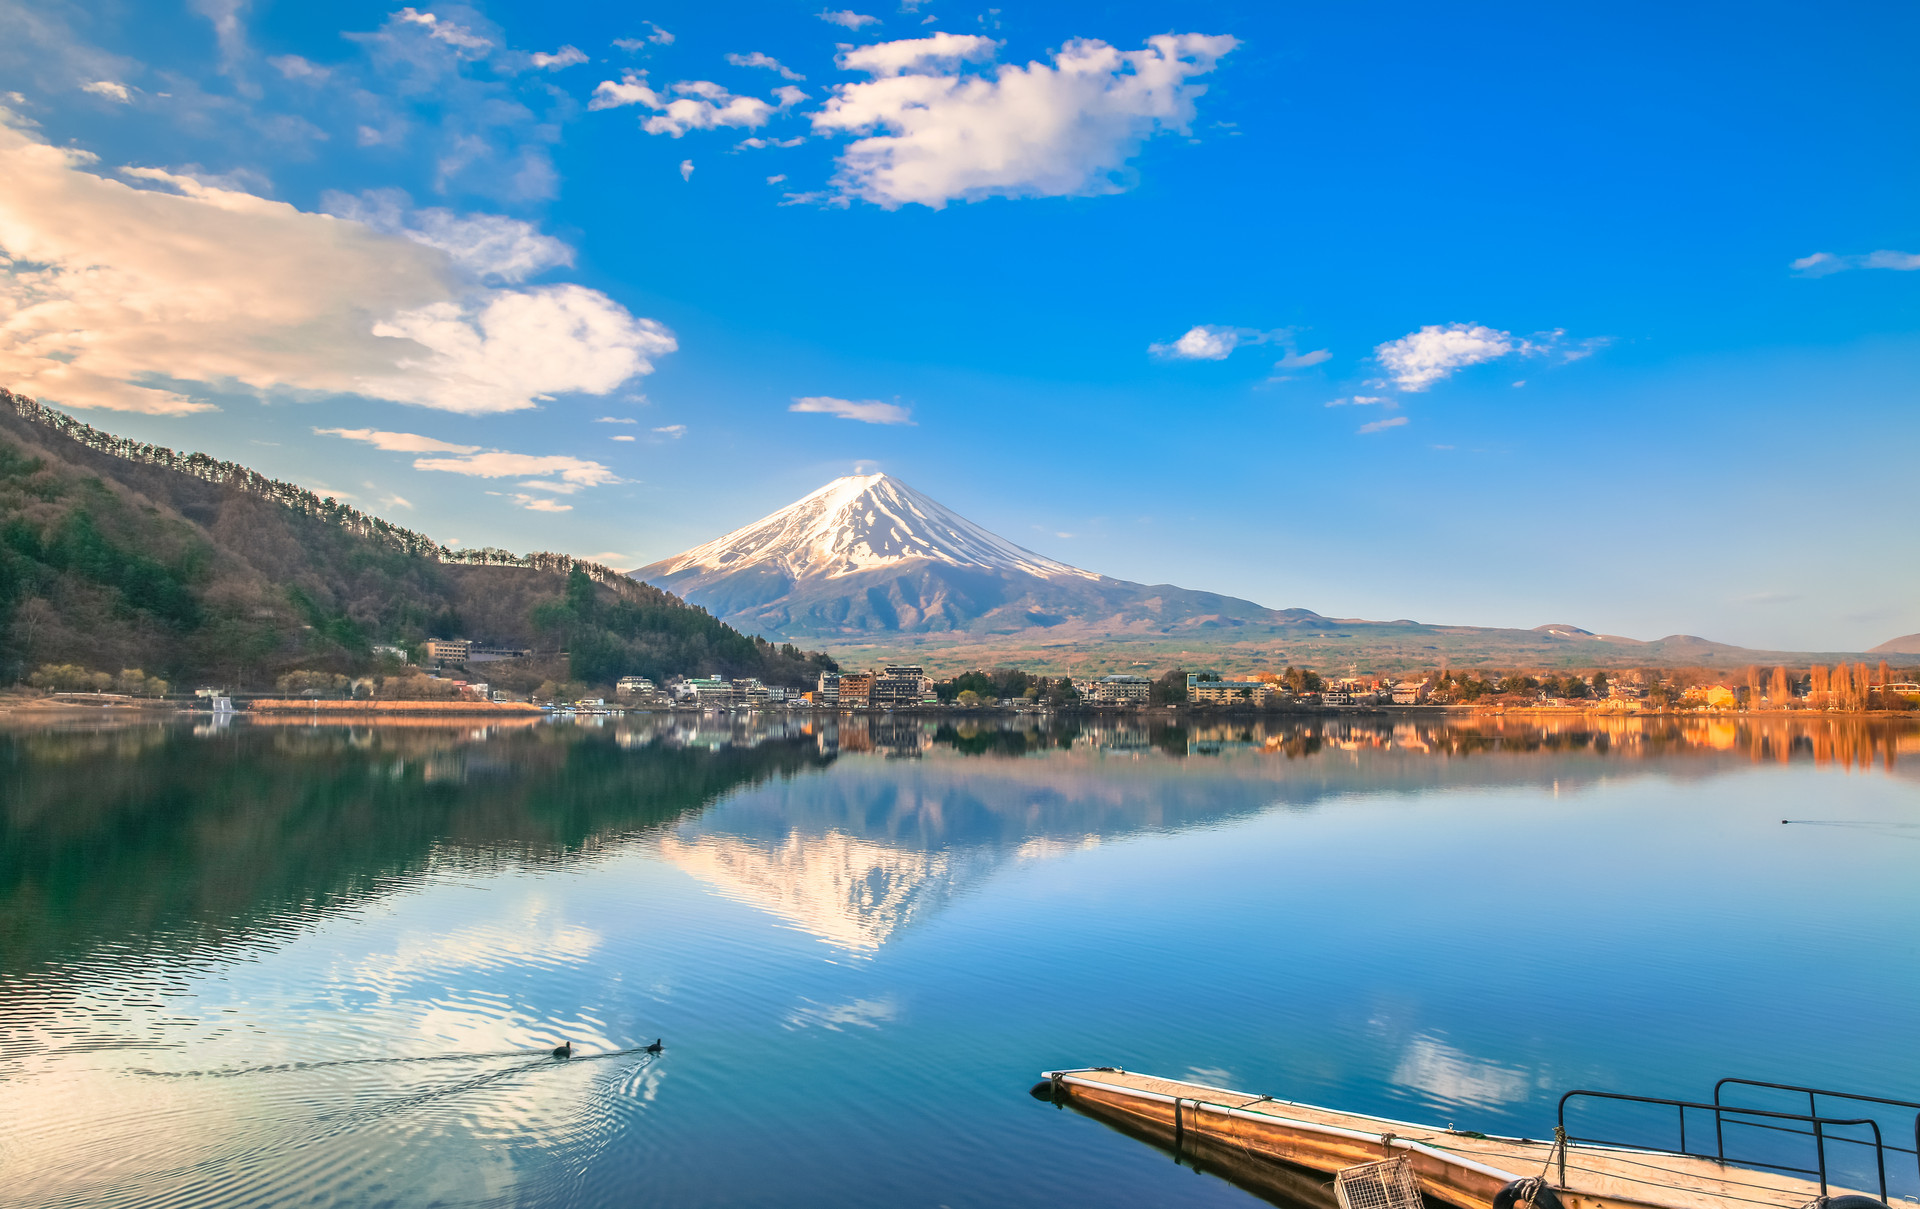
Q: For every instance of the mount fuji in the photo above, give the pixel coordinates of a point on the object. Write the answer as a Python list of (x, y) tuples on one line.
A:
[(868, 556), (868, 567)]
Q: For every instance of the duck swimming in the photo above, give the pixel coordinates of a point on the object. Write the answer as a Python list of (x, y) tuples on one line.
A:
[(656, 1047), (563, 1050)]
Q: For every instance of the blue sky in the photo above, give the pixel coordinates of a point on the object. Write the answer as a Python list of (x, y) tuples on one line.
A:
[(1600, 315)]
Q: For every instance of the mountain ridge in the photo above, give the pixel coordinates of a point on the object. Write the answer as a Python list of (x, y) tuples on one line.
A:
[(119, 554), (871, 568)]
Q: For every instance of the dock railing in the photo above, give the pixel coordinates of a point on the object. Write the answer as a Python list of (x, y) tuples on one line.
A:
[(1725, 1114), (1814, 1095)]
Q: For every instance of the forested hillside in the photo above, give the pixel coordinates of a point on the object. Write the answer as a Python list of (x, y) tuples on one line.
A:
[(115, 554)]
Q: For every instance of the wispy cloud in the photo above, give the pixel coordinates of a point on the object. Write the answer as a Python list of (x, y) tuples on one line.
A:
[(574, 473), (1209, 342), (110, 90), (847, 18), (1363, 401), (757, 59), (566, 56), (1417, 360), (867, 411), (686, 105), (396, 442), (616, 420), (672, 432), (1820, 264), (1303, 360), (554, 474), (1383, 425), (659, 37)]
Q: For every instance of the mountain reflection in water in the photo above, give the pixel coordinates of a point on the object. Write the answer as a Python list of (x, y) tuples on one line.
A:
[(259, 957)]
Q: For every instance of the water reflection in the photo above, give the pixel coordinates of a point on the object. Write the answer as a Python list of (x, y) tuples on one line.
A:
[(245, 962)]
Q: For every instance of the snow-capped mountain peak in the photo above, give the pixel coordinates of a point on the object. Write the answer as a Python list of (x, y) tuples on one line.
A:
[(862, 523)]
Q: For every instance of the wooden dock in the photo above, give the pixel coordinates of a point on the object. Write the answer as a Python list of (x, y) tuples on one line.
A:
[(1288, 1151)]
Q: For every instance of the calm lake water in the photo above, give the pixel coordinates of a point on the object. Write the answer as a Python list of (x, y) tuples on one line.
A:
[(290, 965)]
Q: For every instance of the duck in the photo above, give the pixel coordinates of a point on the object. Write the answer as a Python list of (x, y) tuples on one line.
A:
[(656, 1047), (563, 1050)]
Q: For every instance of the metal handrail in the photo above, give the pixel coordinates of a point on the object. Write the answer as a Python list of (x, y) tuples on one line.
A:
[(1818, 1133), (1813, 1092)]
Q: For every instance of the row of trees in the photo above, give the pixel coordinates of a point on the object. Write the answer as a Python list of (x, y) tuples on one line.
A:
[(72, 678), (308, 503), (1005, 683)]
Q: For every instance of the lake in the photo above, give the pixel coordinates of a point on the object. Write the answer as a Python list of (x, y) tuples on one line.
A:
[(256, 964)]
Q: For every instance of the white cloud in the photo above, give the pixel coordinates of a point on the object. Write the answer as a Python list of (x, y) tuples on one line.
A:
[(113, 296), (1419, 359), (696, 105), (294, 67), (1211, 342), (566, 56), (464, 41), (397, 442), (1303, 360), (517, 348), (1362, 401), (848, 18), (109, 90), (756, 143), (540, 503), (1820, 264), (1381, 425), (776, 178), (932, 134), (616, 420), (573, 473), (674, 431), (867, 411), (686, 170), (757, 59), (942, 51), (488, 245), (623, 436), (557, 475), (397, 501)]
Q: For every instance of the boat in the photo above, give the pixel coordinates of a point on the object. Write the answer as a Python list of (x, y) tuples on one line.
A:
[(1283, 1150)]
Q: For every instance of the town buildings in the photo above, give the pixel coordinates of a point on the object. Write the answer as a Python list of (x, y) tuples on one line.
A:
[(899, 685), (448, 650), (1204, 689), (1116, 690)]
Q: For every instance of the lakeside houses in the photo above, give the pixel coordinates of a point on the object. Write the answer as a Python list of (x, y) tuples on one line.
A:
[(1115, 690), (1204, 688), (462, 650), (447, 650)]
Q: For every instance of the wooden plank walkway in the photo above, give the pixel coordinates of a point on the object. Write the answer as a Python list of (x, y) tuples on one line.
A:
[(1243, 1132)]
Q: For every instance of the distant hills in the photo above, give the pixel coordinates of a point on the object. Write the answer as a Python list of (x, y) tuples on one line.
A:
[(872, 569), (116, 554)]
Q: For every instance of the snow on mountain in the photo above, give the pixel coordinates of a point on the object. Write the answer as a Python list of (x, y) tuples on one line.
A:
[(868, 555), (860, 523)]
